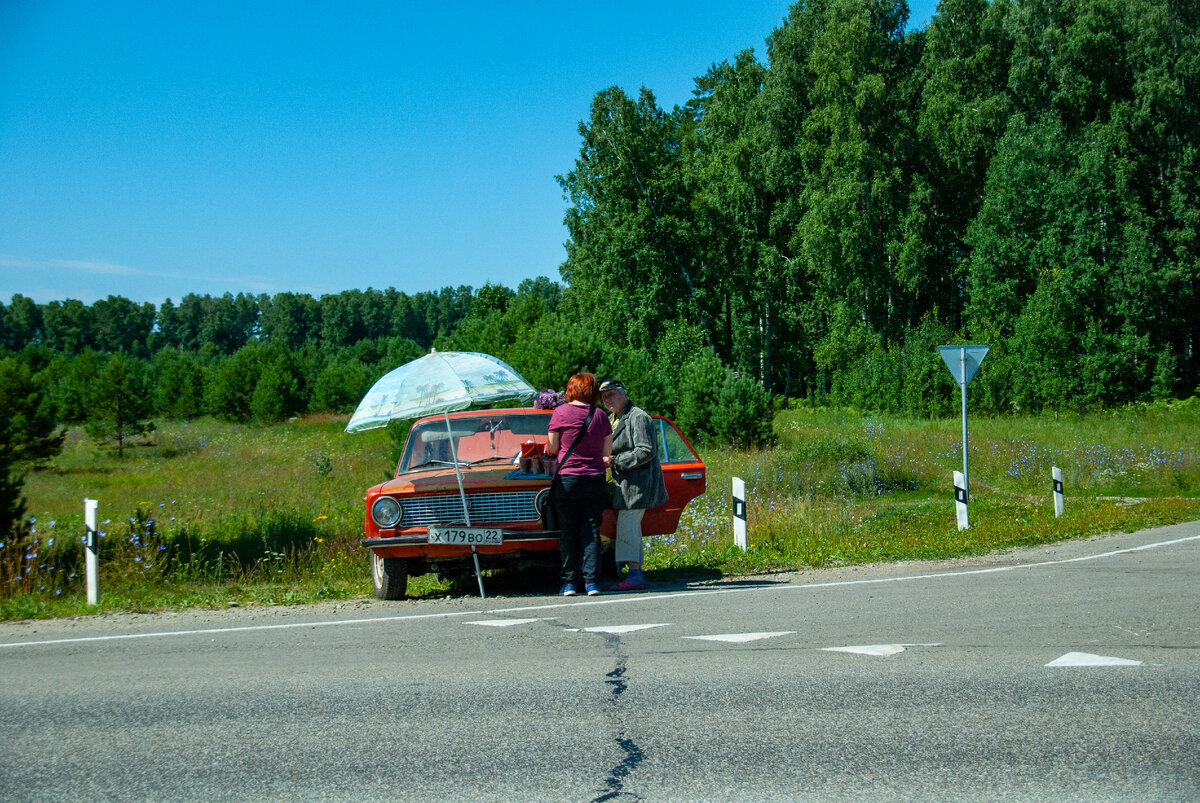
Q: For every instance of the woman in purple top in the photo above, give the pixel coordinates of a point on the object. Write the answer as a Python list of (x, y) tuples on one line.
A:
[(582, 491)]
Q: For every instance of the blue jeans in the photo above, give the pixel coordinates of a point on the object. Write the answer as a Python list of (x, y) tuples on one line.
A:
[(580, 505)]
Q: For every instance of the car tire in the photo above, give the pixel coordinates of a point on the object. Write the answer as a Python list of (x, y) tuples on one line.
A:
[(389, 576)]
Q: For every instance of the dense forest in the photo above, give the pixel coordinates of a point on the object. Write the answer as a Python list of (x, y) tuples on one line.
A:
[(1021, 174), (811, 225)]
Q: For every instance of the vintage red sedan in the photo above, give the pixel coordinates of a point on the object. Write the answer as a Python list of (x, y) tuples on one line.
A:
[(415, 523)]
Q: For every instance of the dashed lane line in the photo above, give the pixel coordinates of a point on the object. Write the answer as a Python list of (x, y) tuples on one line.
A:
[(878, 650), (1087, 659), (741, 638), (617, 630)]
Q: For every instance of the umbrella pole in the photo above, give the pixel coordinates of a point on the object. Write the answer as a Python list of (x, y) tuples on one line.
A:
[(466, 508)]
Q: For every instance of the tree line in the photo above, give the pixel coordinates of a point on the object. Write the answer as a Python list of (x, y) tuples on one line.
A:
[(118, 366), (115, 365), (1021, 173)]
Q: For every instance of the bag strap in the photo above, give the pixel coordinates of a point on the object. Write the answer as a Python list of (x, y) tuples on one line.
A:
[(587, 423)]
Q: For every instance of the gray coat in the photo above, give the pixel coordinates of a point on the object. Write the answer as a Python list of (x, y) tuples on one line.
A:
[(637, 475)]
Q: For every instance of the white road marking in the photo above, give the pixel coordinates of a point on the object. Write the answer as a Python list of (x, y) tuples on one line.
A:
[(502, 622), (740, 638), (1087, 659), (880, 650), (618, 629), (633, 599)]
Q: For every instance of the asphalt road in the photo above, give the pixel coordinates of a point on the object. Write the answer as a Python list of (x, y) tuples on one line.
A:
[(1069, 672)]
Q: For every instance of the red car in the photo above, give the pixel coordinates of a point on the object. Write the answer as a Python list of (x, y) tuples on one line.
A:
[(415, 523)]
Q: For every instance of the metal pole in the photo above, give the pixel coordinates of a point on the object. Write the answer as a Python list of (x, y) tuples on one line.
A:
[(466, 508), (963, 383)]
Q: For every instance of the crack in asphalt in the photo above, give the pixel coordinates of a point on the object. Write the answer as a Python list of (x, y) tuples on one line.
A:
[(614, 783)]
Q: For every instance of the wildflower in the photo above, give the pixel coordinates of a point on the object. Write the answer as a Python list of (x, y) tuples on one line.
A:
[(57, 591), (52, 524), (33, 520), (50, 542), (137, 558)]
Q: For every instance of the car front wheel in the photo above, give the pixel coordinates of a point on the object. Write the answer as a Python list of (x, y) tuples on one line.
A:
[(389, 576)]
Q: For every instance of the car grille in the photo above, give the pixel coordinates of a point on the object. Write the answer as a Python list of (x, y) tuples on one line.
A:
[(447, 509)]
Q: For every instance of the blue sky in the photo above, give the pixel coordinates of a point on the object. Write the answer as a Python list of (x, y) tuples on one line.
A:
[(152, 149)]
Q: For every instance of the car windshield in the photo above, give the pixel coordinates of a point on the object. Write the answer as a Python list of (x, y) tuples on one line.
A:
[(489, 436)]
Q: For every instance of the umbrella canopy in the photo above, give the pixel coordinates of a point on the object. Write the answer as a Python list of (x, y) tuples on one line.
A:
[(439, 382)]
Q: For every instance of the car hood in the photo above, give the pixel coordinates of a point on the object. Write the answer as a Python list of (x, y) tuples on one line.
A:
[(474, 478)]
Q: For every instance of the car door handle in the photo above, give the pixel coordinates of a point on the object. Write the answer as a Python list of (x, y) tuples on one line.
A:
[(691, 475)]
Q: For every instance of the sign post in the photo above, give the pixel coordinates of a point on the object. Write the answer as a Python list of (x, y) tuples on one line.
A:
[(739, 512), (91, 555), (963, 362)]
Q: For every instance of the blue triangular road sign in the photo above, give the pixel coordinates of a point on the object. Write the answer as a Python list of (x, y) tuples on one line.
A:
[(963, 361)]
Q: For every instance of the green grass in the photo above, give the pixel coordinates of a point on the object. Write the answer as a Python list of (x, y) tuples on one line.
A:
[(206, 513), (842, 488)]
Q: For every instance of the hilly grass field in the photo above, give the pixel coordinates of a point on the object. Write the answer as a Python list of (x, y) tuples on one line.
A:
[(206, 513)]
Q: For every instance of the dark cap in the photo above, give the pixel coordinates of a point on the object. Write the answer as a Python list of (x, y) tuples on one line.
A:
[(611, 384)]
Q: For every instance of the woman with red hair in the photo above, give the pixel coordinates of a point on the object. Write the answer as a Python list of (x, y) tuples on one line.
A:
[(585, 438)]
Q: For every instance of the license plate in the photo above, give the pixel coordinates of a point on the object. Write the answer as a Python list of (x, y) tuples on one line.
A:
[(466, 535)]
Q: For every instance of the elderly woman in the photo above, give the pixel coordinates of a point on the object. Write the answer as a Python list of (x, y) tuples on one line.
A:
[(583, 440), (637, 477)]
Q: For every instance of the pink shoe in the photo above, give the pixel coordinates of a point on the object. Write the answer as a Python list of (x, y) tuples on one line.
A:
[(625, 585)]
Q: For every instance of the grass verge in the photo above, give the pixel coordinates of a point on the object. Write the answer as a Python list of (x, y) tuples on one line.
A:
[(209, 514)]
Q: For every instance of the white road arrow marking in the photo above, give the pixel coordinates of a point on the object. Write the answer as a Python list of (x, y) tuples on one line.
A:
[(502, 622), (1087, 659), (739, 638), (879, 650), (617, 629)]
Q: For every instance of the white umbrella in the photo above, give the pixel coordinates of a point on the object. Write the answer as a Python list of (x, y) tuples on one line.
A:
[(441, 382)]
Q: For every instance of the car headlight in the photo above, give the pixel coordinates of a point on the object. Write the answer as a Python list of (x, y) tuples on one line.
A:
[(386, 512), (539, 501)]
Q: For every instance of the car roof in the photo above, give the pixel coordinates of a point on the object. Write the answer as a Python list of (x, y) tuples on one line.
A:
[(485, 413)]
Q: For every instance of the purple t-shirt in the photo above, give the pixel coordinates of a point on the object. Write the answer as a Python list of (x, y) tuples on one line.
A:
[(588, 458)]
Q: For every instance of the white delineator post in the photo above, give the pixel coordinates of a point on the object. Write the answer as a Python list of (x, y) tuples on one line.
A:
[(739, 512), (1059, 506), (960, 500), (91, 553)]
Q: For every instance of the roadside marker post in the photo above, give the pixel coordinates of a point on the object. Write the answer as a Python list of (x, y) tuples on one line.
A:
[(963, 362), (960, 501), (1059, 502), (91, 553), (739, 512)]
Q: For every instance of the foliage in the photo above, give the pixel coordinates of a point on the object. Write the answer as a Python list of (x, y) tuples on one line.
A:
[(31, 431), (120, 403)]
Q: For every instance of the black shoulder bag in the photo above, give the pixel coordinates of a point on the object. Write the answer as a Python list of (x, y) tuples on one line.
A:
[(549, 511)]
